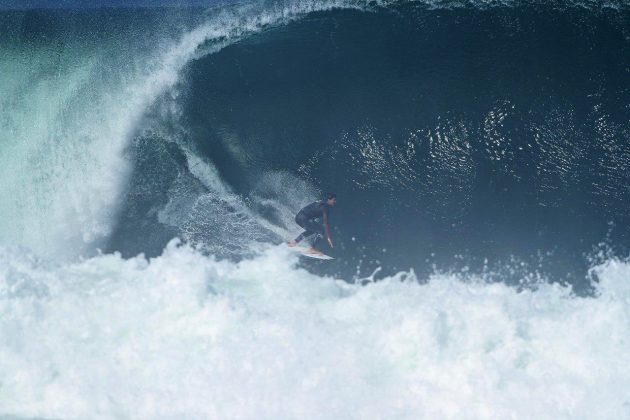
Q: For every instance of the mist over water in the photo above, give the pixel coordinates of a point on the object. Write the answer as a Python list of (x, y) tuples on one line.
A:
[(480, 153), (75, 84)]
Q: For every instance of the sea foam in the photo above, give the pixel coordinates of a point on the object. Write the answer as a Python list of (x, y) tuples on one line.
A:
[(188, 336)]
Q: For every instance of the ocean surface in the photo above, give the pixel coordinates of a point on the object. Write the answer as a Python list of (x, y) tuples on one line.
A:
[(152, 161)]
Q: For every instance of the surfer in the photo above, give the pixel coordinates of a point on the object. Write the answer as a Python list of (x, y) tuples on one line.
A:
[(307, 219)]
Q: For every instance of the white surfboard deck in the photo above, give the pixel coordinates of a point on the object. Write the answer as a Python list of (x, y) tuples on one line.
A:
[(304, 251)]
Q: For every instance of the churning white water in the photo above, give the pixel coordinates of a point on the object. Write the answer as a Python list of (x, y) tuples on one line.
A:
[(187, 336)]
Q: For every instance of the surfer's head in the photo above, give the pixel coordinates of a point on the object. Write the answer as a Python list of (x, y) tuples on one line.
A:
[(331, 199)]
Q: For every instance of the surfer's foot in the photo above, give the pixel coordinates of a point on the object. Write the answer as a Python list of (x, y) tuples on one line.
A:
[(314, 251), (291, 243)]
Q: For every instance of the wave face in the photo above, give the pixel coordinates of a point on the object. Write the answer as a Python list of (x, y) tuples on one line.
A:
[(76, 85), (453, 136)]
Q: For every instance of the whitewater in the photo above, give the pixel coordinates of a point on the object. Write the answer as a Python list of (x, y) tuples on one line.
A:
[(142, 267), (186, 336)]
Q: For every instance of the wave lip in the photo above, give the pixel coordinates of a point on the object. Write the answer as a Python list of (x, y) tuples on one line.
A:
[(63, 162), (187, 335)]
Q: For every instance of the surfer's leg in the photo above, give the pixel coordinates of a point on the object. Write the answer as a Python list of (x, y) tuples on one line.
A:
[(315, 244), (312, 249), (313, 228), (306, 224), (303, 235)]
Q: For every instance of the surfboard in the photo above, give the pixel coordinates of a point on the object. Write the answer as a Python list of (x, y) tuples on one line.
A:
[(304, 251), (317, 256)]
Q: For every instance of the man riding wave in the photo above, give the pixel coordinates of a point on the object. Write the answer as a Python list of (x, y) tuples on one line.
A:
[(307, 219)]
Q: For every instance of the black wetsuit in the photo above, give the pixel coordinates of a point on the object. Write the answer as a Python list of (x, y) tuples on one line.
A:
[(306, 219)]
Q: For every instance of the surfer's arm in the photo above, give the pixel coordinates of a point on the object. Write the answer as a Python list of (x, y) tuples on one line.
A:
[(327, 228)]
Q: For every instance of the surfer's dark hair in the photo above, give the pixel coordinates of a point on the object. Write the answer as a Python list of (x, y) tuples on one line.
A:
[(330, 196)]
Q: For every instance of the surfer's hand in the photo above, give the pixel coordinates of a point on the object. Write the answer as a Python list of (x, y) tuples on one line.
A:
[(330, 243)]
